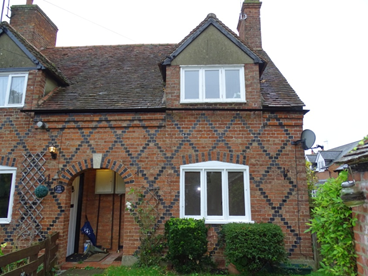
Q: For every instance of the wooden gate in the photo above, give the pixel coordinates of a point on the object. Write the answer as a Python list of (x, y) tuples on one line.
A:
[(37, 260)]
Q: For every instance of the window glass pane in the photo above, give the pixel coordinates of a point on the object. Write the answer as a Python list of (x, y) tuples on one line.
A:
[(232, 84), (214, 194), (191, 84), (236, 194), (3, 85), (16, 90), (192, 193), (212, 84), (5, 185)]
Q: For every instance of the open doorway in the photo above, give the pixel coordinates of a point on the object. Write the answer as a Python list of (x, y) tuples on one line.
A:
[(99, 197)]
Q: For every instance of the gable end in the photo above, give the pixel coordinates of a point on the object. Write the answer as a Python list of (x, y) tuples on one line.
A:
[(213, 22), (33, 59)]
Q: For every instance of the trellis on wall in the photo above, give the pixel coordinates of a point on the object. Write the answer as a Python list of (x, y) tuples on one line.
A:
[(33, 175)]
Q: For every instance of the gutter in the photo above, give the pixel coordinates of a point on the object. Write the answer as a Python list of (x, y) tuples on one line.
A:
[(161, 109)]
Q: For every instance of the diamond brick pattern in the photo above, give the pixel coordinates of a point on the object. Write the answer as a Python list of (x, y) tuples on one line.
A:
[(150, 154)]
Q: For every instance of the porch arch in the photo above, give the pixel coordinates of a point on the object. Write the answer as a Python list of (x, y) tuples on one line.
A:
[(70, 172)]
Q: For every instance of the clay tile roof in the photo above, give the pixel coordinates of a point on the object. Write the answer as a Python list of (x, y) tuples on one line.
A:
[(48, 65), (109, 77), (275, 89), (359, 154), (129, 77)]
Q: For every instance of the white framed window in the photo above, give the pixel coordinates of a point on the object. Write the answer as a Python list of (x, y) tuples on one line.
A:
[(12, 89), (212, 84), (7, 184), (216, 191)]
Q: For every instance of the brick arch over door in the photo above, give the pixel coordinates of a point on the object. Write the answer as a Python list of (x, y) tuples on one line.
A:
[(72, 170)]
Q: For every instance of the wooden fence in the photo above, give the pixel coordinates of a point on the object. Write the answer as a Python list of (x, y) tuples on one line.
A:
[(29, 261)]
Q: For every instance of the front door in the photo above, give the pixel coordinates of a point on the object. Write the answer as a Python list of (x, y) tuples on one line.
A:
[(73, 217)]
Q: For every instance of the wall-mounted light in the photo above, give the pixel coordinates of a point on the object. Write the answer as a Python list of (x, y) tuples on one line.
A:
[(41, 124), (53, 152)]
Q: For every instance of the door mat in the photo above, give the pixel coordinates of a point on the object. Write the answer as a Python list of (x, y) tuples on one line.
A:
[(75, 257), (97, 257)]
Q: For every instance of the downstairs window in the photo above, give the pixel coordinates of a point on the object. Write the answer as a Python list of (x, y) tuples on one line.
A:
[(7, 183), (215, 191)]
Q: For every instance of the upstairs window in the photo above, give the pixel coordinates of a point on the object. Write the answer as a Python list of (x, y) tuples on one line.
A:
[(7, 183), (12, 89), (212, 84), (215, 191)]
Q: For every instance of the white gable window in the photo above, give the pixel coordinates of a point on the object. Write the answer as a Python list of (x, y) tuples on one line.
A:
[(212, 84), (216, 191), (7, 184), (12, 89)]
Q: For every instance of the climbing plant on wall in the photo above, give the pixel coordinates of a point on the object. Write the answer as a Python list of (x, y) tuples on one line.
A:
[(332, 222)]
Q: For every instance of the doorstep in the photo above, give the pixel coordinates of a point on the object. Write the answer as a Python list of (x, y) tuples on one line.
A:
[(104, 263)]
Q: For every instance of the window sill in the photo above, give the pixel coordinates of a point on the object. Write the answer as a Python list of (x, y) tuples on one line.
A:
[(207, 221), (213, 102), (218, 221)]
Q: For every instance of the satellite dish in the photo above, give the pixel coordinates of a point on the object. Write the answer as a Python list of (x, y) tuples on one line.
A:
[(307, 138)]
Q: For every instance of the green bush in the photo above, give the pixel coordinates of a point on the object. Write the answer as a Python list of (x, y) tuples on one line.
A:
[(332, 222), (187, 244), (252, 247)]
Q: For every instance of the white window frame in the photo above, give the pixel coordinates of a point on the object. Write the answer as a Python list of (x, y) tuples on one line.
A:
[(216, 166), (222, 85), (13, 171), (7, 92)]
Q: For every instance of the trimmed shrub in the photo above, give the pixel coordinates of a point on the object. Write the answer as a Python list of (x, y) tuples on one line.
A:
[(252, 247), (187, 244)]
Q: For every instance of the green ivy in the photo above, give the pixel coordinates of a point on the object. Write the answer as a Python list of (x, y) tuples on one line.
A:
[(253, 247), (332, 222)]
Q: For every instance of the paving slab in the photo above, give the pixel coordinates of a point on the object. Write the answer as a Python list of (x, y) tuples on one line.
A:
[(76, 271)]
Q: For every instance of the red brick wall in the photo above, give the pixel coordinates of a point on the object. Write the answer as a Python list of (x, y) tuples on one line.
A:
[(147, 150)]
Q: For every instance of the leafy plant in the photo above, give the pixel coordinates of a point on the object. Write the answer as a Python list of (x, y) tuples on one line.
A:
[(332, 222), (312, 179), (252, 247), (187, 245)]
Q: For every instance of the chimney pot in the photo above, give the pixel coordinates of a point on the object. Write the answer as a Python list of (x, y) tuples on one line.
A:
[(29, 2)]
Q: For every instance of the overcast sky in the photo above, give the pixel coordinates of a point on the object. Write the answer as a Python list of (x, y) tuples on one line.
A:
[(321, 47)]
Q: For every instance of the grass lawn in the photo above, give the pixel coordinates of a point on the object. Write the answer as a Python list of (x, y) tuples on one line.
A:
[(132, 271)]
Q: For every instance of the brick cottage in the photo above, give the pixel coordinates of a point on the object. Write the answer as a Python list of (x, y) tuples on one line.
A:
[(204, 126)]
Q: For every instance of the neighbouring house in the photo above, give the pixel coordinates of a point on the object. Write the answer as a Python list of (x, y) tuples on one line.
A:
[(357, 160), (326, 163), (203, 127)]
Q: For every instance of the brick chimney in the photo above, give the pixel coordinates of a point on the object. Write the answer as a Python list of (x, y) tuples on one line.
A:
[(32, 23), (249, 26)]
